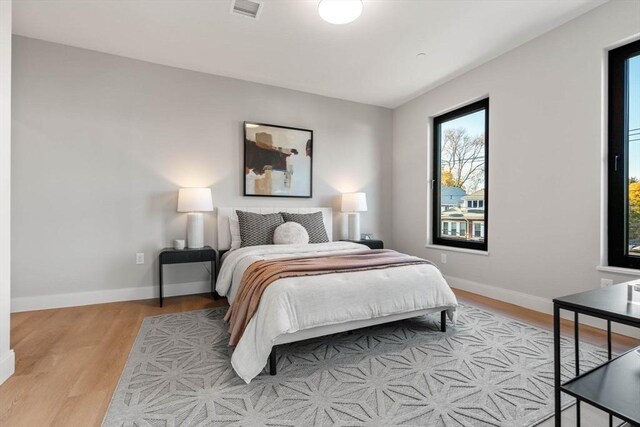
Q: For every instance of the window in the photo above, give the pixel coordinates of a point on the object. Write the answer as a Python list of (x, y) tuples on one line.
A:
[(460, 147), (478, 229), (624, 156)]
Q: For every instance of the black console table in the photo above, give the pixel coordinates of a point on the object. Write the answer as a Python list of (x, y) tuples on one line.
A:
[(614, 386), (182, 256)]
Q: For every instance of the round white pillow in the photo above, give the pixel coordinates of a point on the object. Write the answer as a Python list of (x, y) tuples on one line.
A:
[(290, 233)]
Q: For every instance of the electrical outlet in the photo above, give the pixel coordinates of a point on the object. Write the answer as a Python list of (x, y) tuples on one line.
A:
[(443, 258), (140, 258), (605, 283)]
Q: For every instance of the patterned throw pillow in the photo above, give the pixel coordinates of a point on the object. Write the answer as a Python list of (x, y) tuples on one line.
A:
[(312, 222), (257, 229)]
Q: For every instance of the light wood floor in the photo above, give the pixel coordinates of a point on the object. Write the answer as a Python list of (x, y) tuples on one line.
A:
[(69, 360)]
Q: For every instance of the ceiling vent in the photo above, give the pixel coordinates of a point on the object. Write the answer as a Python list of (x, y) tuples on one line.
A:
[(250, 8)]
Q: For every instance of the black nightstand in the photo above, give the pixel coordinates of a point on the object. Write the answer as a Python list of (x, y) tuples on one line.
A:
[(183, 256), (373, 244)]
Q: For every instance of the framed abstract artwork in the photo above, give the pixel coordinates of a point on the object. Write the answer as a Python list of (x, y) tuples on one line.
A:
[(277, 161)]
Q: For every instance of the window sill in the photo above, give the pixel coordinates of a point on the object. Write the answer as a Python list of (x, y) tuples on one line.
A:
[(461, 250), (618, 270)]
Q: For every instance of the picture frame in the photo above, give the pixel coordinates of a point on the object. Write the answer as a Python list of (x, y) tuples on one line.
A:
[(278, 161)]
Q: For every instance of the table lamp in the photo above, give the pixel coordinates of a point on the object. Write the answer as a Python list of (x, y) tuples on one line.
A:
[(195, 201), (352, 204)]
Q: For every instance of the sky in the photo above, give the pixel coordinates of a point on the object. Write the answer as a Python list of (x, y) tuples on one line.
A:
[(474, 123)]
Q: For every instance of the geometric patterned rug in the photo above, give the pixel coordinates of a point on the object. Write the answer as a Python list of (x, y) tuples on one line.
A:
[(486, 370)]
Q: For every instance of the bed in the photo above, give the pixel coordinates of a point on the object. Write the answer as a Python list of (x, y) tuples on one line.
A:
[(300, 308)]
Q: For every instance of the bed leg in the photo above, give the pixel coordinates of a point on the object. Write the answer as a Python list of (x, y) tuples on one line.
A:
[(443, 321), (272, 361)]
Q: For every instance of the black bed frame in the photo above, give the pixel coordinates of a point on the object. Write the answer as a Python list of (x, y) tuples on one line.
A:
[(273, 355)]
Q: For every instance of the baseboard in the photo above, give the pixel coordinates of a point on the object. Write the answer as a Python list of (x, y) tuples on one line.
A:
[(7, 365), (43, 302), (532, 302)]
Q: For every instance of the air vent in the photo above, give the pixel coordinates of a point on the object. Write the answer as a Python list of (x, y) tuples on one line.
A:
[(250, 8)]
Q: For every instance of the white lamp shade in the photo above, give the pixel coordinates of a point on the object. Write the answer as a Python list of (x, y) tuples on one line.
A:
[(354, 202), (195, 200)]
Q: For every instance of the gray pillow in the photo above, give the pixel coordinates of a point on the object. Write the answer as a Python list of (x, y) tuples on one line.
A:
[(257, 229), (312, 222)]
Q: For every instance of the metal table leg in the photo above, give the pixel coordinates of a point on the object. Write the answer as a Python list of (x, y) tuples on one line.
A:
[(556, 364), (609, 356), (213, 280), (576, 344), (272, 361), (160, 284)]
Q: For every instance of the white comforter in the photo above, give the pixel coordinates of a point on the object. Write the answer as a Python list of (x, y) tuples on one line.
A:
[(298, 303)]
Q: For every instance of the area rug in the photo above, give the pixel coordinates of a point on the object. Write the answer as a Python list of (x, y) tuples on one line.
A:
[(486, 370)]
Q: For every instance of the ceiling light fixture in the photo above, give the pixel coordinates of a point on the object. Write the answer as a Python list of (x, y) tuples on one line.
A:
[(340, 11)]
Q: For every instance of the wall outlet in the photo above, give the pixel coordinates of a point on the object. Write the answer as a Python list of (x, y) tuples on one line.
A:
[(140, 258), (443, 258), (605, 283)]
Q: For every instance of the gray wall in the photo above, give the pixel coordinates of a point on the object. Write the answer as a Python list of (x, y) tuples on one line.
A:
[(102, 144), (7, 357), (547, 136)]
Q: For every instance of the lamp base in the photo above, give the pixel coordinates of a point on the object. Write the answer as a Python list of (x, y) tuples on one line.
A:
[(354, 226), (195, 230)]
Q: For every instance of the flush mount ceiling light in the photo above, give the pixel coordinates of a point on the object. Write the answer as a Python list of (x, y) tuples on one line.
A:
[(340, 11)]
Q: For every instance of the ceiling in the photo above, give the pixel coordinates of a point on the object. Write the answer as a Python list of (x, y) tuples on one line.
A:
[(372, 60)]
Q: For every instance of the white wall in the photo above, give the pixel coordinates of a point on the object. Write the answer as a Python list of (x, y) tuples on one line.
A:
[(545, 148), (102, 143), (7, 358)]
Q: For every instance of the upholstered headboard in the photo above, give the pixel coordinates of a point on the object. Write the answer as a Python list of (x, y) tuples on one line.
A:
[(224, 236)]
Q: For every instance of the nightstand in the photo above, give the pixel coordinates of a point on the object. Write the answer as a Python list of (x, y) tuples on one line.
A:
[(373, 244), (183, 256)]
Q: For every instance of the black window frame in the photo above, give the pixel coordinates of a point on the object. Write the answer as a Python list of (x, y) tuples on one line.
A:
[(474, 107), (618, 162)]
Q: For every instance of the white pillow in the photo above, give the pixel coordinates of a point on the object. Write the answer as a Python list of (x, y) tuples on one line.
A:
[(234, 230), (290, 233)]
